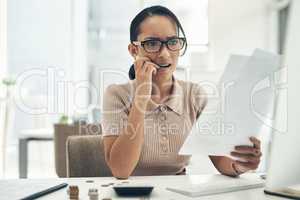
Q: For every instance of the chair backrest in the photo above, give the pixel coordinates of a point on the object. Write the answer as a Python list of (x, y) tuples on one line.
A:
[(61, 134), (85, 157)]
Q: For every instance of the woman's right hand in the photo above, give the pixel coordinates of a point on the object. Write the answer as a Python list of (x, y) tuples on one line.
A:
[(144, 69)]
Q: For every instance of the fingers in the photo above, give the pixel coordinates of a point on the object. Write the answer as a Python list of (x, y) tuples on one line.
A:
[(256, 142), (246, 157), (247, 150), (139, 63), (144, 67), (247, 165), (150, 68), (254, 150)]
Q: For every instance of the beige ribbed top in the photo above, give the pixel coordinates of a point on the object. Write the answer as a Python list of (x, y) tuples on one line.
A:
[(166, 125)]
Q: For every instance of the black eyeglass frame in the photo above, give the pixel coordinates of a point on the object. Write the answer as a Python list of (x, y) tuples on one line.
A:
[(142, 43)]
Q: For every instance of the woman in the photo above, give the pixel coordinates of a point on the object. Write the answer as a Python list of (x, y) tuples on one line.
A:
[(146, 121)]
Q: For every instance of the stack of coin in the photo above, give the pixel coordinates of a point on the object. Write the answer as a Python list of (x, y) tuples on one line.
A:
[(73, 192), (93, 194)]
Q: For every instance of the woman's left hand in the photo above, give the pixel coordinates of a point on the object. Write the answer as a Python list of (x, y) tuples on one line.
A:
[(248, 156)]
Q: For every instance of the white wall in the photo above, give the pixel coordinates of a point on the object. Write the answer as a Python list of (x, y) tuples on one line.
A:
[(37, 36), (109, 23), (42, 34), (108, 39), (79, 63), (234, 27), (3, 38), (239, 26)]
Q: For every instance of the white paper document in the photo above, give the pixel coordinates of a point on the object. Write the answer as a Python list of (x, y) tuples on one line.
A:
[(244, 104)]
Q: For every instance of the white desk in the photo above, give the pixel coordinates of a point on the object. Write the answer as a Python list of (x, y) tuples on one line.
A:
[(159, 192)]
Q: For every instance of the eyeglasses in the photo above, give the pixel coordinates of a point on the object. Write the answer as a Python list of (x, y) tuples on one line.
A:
[(155, 45)]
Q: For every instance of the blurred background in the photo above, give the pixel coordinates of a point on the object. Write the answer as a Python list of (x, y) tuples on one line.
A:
[(58, 56)]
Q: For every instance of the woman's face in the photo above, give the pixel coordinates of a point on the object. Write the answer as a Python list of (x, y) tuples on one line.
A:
[(162, 28)]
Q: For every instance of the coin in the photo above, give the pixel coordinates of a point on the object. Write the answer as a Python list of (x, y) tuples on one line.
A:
[(105, 185)]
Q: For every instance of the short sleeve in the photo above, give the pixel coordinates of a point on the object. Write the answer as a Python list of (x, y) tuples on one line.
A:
[(115, 111), (199, 98)]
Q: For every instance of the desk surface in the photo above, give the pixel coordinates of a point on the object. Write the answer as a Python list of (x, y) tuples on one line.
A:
[(159, 192)]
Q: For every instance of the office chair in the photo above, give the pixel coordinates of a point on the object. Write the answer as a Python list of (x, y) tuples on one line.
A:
[(85, 157)]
